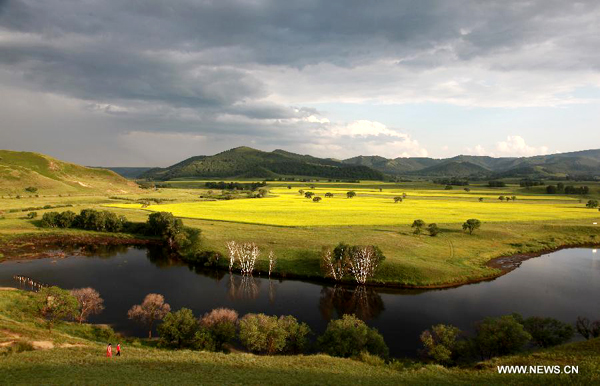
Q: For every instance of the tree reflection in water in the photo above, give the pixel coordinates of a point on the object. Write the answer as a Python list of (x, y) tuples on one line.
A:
[(361, 301), (242, 287)]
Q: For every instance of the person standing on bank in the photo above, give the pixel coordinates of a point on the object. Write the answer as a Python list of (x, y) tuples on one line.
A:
[(118, 349), (109, 350)]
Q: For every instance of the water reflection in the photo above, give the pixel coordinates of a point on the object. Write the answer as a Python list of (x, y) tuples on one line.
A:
[(244, 287), (361, 301)]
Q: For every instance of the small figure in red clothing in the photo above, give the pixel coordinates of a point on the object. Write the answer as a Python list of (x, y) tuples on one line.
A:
[(118, 349), (109, 350)]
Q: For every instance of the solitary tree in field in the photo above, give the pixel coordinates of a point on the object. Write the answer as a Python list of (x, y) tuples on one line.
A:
[(54, 304), (301, 192), (289, 186), (328, 194), (90, 302), (418, 225), (514, 198), (501, 198), (317, 199), (471, 225), (433, 230), (309, 194), (480, 199), (592, 204), (467, 190), (351, 194), (397, 199), (152, 308)]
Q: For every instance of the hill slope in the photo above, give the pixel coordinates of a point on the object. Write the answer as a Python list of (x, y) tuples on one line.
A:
[(245, 162), (586, 162), (20, 170), (74, 354)]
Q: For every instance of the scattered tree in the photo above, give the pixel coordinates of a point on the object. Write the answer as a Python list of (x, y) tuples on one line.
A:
[(471, 225), (55, 304), (328, 195), (260, 333), (441, 343), (32, 215), (397, 199), (546, 332), (272, 262), (351, 194), (467, 190), (433, 229), (152, 308), (169, 228), (480, 199), (500, 336), (592, 204), (222, 324), (586, 328), (178, 329), (317, 199), (31, 189), (309, 195), (90, 303), (244, 255), (301, 192), (349, 336), (417, 226)]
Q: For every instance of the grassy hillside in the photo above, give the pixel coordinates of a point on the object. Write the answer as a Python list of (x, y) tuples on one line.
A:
[(585, 162), (20, 170), (75, 354), (252, 163)]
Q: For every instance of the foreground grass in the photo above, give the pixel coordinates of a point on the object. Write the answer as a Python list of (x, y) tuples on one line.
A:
[(77, 358)]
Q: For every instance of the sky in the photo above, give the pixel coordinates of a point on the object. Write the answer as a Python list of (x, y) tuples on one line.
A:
[(150, 83)]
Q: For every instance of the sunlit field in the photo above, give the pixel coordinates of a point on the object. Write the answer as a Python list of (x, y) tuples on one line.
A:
[(287, 207)]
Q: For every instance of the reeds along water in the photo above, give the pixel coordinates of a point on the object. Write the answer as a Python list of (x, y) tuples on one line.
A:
[(29, 283)]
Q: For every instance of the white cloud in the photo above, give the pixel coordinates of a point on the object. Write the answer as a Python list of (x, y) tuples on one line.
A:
[(363, 137), (515, 146), (478, 150)]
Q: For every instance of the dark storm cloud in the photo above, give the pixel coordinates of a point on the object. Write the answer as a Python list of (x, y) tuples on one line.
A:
[(199, 66)]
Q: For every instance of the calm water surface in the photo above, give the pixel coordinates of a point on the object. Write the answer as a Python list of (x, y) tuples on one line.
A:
[(562, 285)]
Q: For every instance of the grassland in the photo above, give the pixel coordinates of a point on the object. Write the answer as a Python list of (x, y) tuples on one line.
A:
[(73, 354), (285, 207), (451, 258)]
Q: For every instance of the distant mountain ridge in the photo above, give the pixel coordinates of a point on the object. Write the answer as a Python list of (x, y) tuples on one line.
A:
[(245, 162)]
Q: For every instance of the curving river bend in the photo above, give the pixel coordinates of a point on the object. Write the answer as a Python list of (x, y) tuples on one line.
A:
[(563, 285)]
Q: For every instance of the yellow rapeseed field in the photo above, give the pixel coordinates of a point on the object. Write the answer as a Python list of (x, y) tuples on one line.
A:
[(286, 207)]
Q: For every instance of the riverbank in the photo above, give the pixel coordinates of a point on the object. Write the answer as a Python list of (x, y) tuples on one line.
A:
[(82, 243), (72, 352)]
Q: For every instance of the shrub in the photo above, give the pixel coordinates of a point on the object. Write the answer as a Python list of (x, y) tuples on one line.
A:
[(32, 215), (260, 333), (31, 189), (221, 323), (441, 343), (471, 225), (433, 230), (349, 336), (178, 329), (587, 329), (296, 334), (269, 334), (418, 225), (592, 204), (55, 304), (546, 332), (500, 336)]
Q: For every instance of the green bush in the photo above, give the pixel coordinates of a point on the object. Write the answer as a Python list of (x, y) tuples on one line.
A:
[(260, 333), (500, 336), (546, 332), (349, 336), (178, 329), (441, 343), (221, 323)]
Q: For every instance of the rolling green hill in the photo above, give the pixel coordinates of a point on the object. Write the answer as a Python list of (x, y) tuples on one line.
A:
[(581, 163), (21, 170), (245, 162)]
